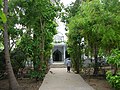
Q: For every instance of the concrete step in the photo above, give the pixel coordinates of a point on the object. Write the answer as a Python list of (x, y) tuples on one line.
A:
[(58, 65)]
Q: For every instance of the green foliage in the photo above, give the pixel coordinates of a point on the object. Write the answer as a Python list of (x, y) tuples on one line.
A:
[(114, 58), (18, 58), (98, 23), (114, 77), (2, 59), (114, 80), (35, 36), (3, 17), (38, 74)]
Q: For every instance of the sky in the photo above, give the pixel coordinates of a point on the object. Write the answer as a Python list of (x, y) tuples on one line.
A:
[(61, 27), (67, 2)]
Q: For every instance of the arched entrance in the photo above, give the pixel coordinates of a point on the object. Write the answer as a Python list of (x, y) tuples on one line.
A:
[(57, 56)]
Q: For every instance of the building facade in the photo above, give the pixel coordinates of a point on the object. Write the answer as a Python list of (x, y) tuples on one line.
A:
[(59, 51)]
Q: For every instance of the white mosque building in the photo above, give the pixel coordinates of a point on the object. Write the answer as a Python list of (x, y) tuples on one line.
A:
[(59, 51)]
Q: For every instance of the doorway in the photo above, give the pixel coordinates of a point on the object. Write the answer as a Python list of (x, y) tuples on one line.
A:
[(57, 56)]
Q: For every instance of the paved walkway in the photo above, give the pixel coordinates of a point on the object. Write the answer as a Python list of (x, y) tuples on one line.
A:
[(59, 79)]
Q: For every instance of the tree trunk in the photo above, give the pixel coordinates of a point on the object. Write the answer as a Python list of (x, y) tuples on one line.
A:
[(42, 24), (13, 84), (78, 59), (42, 41), (96, 61), (115, 70)]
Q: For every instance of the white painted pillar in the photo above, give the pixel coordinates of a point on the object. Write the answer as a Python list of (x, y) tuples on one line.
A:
[(51, 57), (64, 53)]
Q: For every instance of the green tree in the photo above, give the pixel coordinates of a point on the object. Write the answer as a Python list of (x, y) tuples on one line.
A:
[(113, 77), (111, 17), (2, 20), (98, 24), (38, 18), (74, 43), (13, 84)]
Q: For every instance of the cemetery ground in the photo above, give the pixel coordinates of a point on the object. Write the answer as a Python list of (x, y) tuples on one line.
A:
[(98, 83)]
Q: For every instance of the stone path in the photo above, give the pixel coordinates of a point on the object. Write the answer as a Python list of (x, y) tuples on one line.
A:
[(59, 79)]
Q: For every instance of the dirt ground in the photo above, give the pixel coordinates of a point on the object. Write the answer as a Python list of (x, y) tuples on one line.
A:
[(28, 84), (98, 83)]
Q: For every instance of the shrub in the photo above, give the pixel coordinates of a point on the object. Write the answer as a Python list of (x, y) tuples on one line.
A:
[(114, 77), (114, 80), (38, 74)]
